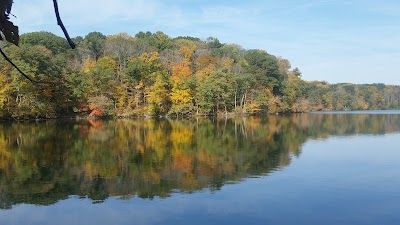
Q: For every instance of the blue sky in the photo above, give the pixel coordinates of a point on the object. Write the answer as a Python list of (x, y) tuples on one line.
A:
[(355, 41)]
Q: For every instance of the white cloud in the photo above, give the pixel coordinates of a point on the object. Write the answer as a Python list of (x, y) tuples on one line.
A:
[(80, 12)]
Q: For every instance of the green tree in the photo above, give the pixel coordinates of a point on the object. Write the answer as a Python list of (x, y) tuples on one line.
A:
[(293, 91), (51, 41), (47, 99), (161, 41), (213, 43), (95, 43), (265, 69)]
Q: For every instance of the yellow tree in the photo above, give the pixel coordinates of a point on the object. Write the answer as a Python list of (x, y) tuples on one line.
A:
[(181, 96), (157, 97), (4, 89)]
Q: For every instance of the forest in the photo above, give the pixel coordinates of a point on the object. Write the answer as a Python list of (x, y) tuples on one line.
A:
[(151, 74)]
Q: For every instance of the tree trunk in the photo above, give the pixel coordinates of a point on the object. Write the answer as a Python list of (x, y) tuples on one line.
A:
[(244, 103), (235, 98)]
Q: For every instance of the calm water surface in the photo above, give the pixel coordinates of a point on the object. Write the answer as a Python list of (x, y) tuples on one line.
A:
[(298, 169)]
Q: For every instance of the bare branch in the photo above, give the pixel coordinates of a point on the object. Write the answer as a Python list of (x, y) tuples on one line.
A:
[(16, 67), (60, 23)]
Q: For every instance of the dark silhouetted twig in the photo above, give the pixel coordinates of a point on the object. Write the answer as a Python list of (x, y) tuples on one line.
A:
[(16, 67), (60, 23)]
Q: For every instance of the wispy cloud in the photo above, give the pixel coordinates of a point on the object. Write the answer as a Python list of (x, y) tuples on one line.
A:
[(85, 13), (103, 10)]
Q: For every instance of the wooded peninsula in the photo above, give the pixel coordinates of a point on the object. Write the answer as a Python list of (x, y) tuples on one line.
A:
[(152, 74)]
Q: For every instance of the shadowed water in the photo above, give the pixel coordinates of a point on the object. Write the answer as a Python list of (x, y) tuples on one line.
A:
[(297, 169)]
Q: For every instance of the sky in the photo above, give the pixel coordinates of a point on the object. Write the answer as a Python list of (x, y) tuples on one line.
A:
[(355, 41)]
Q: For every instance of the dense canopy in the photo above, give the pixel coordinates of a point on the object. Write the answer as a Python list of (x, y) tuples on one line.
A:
[(152, 74)]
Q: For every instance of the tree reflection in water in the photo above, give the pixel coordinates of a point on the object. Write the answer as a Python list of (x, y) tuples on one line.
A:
[(42, 163)]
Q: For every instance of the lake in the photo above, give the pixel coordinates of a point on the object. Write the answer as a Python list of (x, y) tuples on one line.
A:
[(330, 168)]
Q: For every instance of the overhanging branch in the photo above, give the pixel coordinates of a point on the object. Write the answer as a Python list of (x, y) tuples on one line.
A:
[(60, 23), (16, 67), (15, 28)]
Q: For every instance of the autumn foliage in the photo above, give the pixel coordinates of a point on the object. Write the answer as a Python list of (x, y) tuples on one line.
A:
[(151, 74)]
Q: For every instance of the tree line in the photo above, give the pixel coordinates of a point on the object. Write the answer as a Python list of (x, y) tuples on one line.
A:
[(152, 74)]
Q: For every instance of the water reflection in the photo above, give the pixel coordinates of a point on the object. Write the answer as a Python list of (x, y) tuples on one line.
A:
[(43, 163)]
